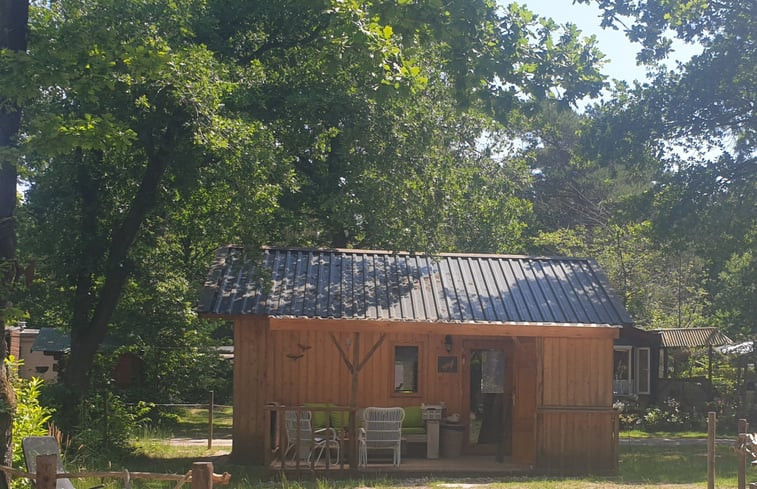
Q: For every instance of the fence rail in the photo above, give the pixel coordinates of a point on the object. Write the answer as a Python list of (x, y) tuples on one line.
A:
[(201, 476), (210, 406)]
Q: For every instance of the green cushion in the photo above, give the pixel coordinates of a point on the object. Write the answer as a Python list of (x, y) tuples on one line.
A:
[(414, 431), (413, 418), (340, 420), (320, 418)]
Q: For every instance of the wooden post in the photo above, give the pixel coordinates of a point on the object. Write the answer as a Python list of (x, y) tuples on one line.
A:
[(47, 473), (353, 399), (743, 428), (202, 475), (211, 408), (711, 423), (268, 438), (709, 363)]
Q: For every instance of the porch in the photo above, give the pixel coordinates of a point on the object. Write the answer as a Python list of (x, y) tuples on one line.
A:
[(462, 466), (338, 457)]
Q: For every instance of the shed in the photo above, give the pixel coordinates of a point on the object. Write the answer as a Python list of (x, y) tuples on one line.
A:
[(676, 339), (531, 335)]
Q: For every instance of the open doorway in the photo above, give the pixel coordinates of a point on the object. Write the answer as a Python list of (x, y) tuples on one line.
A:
[(489, 396)]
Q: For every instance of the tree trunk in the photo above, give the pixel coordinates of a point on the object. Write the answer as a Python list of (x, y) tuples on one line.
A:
[(14, 15), (90, 326)]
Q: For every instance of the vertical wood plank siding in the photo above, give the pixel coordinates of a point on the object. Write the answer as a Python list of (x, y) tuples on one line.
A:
[(562, 387), (575, 422)]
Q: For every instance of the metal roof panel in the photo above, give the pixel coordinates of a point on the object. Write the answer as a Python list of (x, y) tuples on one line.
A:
[(355, 284)]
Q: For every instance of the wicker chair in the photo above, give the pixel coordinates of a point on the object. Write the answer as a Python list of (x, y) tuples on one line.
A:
[(381, 430), (300, 430)]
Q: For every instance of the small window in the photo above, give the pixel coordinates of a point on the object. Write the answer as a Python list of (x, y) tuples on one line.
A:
[(406, 369), (622, 371), (642, 370)]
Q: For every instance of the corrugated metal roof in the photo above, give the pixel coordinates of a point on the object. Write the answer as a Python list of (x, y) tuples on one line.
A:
[(53, 340), (689, 337), (378, 285)]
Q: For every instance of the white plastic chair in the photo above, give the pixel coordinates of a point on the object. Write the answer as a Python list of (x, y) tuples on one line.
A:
[(382, 429), (310, 441)]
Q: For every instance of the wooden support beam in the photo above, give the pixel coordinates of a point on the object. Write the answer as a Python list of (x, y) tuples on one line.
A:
[(522, 330), (353, 400)]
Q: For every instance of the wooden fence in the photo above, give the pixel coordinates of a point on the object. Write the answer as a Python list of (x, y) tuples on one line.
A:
[(746, 448), (200, 477)]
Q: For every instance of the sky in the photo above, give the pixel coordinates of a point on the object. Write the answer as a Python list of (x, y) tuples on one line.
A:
[(613, 43)]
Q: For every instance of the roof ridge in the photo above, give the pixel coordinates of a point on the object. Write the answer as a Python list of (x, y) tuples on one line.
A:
[(359, 251)]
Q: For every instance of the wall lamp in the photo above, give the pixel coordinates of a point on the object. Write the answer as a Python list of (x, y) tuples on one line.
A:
[(448, 343)]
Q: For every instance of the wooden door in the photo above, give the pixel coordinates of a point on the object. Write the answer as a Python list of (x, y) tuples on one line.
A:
[(487, 378)]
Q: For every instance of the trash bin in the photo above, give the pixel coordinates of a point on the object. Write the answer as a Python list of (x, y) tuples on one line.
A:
[(451, 440)]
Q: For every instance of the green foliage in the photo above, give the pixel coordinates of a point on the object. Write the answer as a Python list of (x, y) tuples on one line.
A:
[(31, 417), (102, 426), (667, 416)]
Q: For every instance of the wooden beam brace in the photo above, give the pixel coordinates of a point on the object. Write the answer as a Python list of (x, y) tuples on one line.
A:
[(341, 352), (371, 352)]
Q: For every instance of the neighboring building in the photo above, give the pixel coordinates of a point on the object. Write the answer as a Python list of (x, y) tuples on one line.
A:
[(43, 351), (644, 362), (532, 335), (21, 342), (635, 364)]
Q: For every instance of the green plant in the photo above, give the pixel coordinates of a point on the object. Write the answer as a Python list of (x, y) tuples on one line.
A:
[(31, 416), (107, 427)]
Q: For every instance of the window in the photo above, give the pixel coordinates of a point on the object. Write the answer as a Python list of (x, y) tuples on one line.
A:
[(642, 370), (622, 371), (406, 369)]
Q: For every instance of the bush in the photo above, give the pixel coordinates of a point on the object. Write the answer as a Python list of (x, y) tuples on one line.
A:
[(629, 413), (100, 425), (668, 416), (30, 418)]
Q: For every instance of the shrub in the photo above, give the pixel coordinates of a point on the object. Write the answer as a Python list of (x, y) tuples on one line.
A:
[(31, 416), (100, 425)]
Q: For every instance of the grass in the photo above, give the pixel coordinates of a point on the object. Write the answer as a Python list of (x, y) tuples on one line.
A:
[(662, 434), (642, 465)]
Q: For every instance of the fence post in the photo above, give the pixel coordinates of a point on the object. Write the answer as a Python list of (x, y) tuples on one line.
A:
[(202, 475), (711, 422), (743, 428), (211, 408), (47, 472)]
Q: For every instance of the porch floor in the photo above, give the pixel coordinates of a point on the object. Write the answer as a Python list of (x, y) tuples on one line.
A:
[(462, 466)]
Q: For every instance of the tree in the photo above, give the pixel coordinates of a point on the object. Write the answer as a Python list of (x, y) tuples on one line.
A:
[(145, 122), (699, 120), (121, 126), (13, 19)]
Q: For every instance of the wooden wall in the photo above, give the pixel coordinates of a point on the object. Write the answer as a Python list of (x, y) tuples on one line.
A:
[(320, 374), (575, 421), (293, 367)]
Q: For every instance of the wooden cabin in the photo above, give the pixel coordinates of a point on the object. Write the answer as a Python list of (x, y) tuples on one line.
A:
[(521, 348)]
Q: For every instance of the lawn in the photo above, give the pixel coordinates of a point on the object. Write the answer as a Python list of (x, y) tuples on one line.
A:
[(643, 464)]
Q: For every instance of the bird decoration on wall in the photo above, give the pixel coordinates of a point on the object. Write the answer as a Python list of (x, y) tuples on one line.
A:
[(304, 347), (295, 356)]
